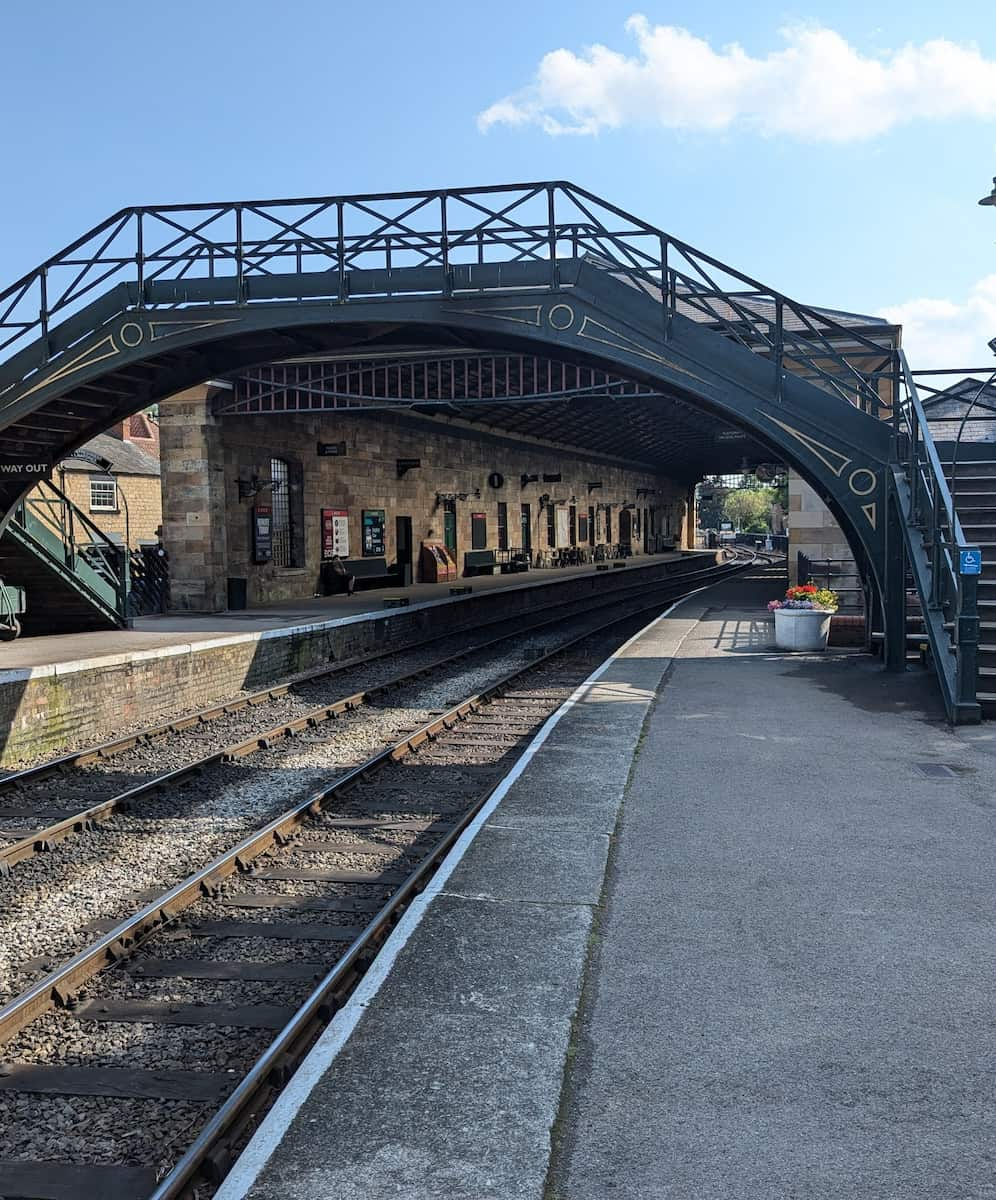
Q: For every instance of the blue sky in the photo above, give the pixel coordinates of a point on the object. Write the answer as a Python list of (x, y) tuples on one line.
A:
[(121, 103)]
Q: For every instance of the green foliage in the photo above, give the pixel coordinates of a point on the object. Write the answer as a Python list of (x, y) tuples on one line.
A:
[(750, 511)]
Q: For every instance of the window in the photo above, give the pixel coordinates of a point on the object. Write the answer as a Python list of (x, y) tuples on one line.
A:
[(283, 553), (103, 495), (551, 526)]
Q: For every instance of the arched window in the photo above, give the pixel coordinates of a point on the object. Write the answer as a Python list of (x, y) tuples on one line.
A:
[(283, 542)]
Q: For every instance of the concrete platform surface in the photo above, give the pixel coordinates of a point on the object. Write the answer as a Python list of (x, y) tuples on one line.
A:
[(737, 943), (191, 629)]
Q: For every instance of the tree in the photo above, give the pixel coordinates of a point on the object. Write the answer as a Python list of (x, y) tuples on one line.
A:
[(750, 511)]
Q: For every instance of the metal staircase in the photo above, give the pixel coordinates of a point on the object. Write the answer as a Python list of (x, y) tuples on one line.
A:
[(54, 551), (934, 542)]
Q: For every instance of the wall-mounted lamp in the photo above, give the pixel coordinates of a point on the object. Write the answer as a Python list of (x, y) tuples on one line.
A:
[(249, 489)]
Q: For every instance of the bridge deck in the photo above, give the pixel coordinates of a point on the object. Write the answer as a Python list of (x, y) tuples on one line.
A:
[(789, 992)]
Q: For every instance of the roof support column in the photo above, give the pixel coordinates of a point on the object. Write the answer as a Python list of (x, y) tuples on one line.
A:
[(193, 481)]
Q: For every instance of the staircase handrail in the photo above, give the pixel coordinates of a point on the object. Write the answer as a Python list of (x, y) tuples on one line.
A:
[(113, 555), (949, 598)]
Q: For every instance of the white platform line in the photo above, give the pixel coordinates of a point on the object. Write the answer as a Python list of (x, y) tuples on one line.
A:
[(326, 1049)]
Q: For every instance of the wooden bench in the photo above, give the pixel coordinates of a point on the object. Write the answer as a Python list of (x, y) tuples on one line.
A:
[(367, 572), (479, 562), (371, 572)]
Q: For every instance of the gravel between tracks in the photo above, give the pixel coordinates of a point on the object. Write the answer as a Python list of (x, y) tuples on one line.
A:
[(218, 808), (45, 901)]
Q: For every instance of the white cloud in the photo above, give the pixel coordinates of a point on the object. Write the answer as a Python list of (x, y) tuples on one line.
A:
[(818, 88), (948, 333)]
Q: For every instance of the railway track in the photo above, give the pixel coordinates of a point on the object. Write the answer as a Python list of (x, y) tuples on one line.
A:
[(235, 969), (44, 804)]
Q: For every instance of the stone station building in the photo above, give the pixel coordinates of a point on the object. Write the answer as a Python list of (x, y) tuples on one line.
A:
[(471, 490)]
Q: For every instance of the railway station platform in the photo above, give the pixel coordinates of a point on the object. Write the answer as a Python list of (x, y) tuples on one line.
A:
[(726, 931), (79, 688)]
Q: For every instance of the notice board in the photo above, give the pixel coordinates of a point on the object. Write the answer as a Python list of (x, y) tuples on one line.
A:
[(335, 532), (373, 533), (262, 533)]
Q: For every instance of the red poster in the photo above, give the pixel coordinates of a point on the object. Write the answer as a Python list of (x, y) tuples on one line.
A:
[(335, 532)]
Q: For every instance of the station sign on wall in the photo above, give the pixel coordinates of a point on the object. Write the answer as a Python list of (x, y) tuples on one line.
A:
[(373, 533), (331, 449), (262, 533), (335, 532)]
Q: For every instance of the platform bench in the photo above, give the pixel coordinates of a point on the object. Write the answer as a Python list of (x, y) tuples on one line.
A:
[(371, 572), (479, 562)]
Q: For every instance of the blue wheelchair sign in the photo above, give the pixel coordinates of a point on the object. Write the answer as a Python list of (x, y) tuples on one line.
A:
[(971, 562)]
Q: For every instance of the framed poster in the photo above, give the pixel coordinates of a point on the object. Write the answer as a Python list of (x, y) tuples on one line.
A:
[(373, 533), (262, 533), (335, 532)]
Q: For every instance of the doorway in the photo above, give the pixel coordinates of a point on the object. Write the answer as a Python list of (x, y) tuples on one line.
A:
[(526, 527), (450, 527), (403, 549), (625, 529)]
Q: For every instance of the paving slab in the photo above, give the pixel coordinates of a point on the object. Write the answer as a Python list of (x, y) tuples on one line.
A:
[(485, 1084)]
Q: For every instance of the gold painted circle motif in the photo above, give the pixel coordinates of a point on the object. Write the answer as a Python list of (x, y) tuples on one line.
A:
[(862, 482), (561, 316), (132, 335)]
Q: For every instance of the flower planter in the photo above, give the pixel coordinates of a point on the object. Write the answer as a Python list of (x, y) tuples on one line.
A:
[(802, 628)]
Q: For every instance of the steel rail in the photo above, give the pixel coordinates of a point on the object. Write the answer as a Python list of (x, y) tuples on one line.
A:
[(42, 840), (103, 750), (59, 986)]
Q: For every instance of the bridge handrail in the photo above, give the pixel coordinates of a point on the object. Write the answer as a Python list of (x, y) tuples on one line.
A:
[(519, 222)]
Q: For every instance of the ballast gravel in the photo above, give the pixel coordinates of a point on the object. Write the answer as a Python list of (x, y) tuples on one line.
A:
[(47, 901), (156, 847)]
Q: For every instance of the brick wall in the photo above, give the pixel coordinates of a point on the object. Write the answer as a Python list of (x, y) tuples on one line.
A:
[(141, 494)]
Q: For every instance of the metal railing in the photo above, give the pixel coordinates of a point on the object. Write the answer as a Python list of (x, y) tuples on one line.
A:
[(427, 243), (70, 541), (934, 543)]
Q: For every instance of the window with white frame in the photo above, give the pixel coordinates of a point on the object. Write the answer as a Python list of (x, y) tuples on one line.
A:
[(103, 495)]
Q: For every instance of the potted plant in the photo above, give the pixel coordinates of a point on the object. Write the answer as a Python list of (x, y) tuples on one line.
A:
[(802, 619)]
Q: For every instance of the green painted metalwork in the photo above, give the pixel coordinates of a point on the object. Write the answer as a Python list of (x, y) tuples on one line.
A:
[(57, 532), (157, 299)]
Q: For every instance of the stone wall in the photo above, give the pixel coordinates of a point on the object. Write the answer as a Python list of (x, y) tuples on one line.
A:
[(812, 528), (207, 527), (193, 491)]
